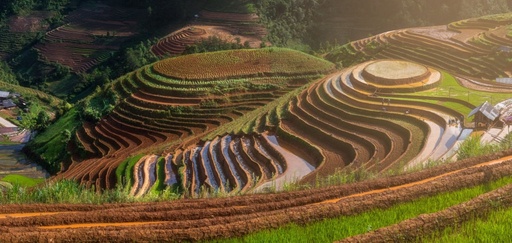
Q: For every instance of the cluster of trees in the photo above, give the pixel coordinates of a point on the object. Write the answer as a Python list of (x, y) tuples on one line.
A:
[(160, 12), (317, 21), (288, 20), (15, 7), (6, 74), (214, 43)]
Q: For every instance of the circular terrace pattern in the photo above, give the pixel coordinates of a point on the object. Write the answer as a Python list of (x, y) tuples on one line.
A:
[(395, 72)]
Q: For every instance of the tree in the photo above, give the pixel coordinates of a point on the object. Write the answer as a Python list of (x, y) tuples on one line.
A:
[(42, 121)]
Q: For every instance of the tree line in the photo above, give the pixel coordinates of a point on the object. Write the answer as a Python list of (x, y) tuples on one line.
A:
[(312, 21)]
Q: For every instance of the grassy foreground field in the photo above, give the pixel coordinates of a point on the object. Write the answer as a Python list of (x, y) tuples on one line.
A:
[(339, 228), (493, 228)]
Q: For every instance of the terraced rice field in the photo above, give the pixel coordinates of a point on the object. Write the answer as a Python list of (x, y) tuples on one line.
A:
[(89, 37), (467, 48), (357, 123), (343, 122), (298, 113), (206, 219), (226, 26), (155, 109), (13, 161)]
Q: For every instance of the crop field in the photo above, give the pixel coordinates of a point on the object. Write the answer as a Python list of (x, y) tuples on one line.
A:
[(89, 36), (243, 63), (235, 133), (236, 216), (155, 109), (465, 48), (229, 27)]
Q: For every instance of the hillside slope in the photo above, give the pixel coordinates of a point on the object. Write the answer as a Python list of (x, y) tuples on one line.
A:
[(176, 101)]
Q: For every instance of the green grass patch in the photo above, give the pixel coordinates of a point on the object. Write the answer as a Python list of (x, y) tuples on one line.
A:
[(62, 87), (472, 147), (449, 87), (329, 230), (128, 171), (50, 146), (22, 180), (5, 141), (160, 176), (72, 192), (230, 6), (120, 172), (495, 228)]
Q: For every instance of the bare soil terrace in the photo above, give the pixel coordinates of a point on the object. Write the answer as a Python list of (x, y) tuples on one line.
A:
[(395, 69)]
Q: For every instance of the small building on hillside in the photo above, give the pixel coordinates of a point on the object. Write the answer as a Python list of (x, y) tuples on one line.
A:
[(485, 115), (504, 80), (8, 104), (506, 49), (4, 95)]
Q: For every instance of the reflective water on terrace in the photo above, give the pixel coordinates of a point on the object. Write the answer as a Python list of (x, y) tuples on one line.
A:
[(13, 161)]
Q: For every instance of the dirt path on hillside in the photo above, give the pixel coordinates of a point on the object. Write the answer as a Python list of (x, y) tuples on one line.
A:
[(201, 219)]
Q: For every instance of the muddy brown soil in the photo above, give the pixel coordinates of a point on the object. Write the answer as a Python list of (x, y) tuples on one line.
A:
[(202, 219)]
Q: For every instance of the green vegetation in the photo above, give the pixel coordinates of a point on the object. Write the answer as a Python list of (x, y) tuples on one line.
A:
[(97, 105), (23, 181), (343, 55), (494, 228), (139, 56), (49, 148), (472, 147), (6, 74), (246, 124), (330, 230), (242, 63), (23, 7), (289, 22), (72, 192), (120, 173), (160, 176), (35, 119), (312, 22), (449, 87), (124, 172), (230, 6), (33, 95), (214, 43)]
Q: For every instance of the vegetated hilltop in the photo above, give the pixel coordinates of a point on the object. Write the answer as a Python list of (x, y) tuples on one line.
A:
[(157, 107)]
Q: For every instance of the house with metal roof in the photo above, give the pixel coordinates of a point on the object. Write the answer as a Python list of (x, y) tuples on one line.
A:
[(8, 104), (4, 94), (485, 114)]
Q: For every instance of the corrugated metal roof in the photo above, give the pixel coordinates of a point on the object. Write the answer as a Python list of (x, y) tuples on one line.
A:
[(8, 103), (4, 94), (504, 80), (487, 110)]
